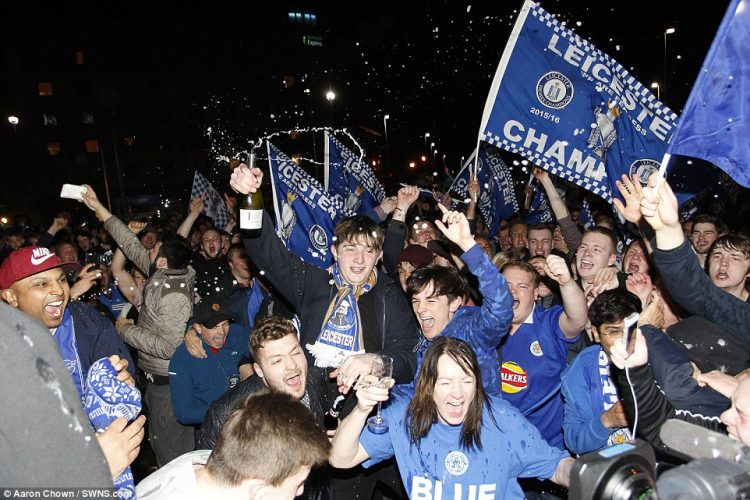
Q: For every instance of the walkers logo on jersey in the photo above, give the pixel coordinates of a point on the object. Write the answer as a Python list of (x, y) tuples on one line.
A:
[(515, 379), (536, 349)]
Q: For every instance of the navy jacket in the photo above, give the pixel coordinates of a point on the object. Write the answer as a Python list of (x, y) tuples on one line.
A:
[(692, 288), (96, 337)]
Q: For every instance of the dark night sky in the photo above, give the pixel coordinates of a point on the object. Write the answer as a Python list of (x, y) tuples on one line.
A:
[(428, 64)]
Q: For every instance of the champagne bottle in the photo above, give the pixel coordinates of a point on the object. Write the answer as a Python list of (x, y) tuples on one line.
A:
[(331, 418), (251, 208)]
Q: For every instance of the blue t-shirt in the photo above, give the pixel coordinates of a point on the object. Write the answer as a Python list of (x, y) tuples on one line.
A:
[(533, 361), (439, 467)]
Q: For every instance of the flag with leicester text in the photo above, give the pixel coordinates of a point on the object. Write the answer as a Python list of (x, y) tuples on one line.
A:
[(349, 179), (305, 214), (497, 196), (571, 109), (715, 124)]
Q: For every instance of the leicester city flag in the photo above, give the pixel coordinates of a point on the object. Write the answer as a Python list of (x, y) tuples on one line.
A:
[(715, 125), (349, 180), (497, 196), (571, 109), (540, 210), (305, 214)]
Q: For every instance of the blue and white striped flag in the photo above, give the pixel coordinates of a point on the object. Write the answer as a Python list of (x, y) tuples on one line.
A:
[(497, 195), (540, 210), (350, 180), (305, 214), (571, 109), (214, 205)]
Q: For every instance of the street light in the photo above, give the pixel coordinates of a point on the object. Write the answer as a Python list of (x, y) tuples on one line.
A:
[(13, 120), (443, 161), (387, 156), (426, 135), (655, 85), (434, 162), (668, 31), (330, 97)]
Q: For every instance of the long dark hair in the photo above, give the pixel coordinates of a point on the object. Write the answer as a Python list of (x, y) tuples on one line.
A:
[(422, 412)]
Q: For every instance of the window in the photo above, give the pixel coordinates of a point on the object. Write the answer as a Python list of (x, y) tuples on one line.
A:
[(79, 58), (92, 146), (87, 118), (53, 148), (45, 88), (49, 120)]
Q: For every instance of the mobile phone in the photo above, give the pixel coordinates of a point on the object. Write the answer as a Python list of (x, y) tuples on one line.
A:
[(629, 326), (72, 191)]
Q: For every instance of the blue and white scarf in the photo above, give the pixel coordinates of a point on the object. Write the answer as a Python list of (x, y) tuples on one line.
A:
[(341, 335), (609, 398), (65, 336), (108, 398)]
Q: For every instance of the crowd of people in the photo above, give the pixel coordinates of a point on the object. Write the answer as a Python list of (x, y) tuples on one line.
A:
[(261, 373)]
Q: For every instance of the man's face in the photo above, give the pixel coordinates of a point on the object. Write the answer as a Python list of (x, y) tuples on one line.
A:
[(728, 268), (15, 241), (149, 240), (540, 242), (282, 366), (518, 236), (211, 243), (454, 391), (290, 487), (84, 242), (737, 417), (595, 253), (702, 235), (240, 266), (524, 292), (635, 259), (67, 253), (687, 228), (43, 296), (216, 336), (421, 232), (226, 242), (504, 238), (404, 271), (484, 245), (356, 260), (433, 312), (607, 335)]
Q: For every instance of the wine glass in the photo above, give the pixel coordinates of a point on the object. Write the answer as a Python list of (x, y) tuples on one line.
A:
[(382, 368)]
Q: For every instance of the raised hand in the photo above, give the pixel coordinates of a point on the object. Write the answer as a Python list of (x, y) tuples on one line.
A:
[(455, 227), (659, 205), (136, 226), (196, 205), (632, 193), (557, 269), (619, 355), (246, 180)]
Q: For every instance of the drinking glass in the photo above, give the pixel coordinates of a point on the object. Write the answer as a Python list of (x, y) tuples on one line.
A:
[(382, 368)]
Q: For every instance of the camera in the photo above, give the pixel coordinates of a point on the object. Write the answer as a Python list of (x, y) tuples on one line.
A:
[(718, 468)]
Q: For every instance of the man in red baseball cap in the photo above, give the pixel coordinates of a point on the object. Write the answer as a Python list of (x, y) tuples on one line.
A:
[(32, 279)]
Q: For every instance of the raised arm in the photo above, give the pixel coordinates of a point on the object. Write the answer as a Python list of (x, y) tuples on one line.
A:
[(488, 328), (575, 310), (346, 450), (196, 208)]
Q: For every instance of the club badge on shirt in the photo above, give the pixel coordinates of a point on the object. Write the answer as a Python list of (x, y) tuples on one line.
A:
[(456, 463), (536, 349)]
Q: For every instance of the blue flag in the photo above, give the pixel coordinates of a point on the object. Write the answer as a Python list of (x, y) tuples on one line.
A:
[(497, 196), (715, 125), (350, 180), (305, 214), (571, 109), (540, 210)]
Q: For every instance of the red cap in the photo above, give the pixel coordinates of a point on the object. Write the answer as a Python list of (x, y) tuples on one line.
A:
[(28, 261)]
